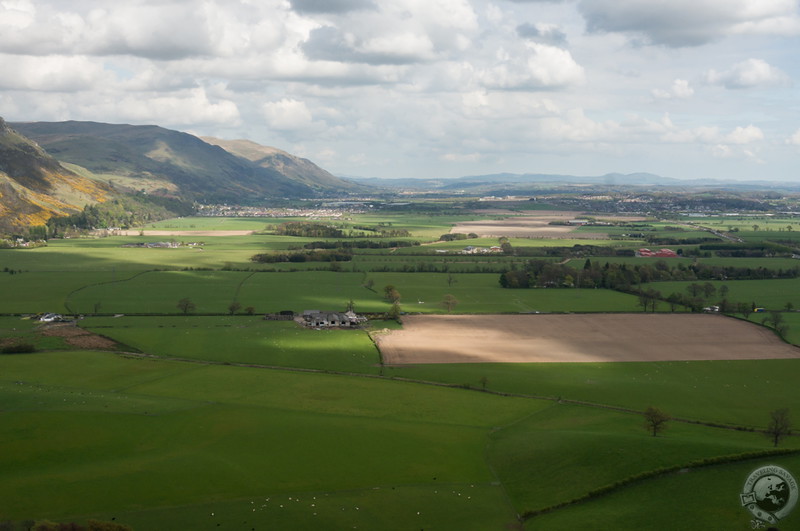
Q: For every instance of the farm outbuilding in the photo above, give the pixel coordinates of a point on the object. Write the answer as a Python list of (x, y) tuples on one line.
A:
[(320, 319)]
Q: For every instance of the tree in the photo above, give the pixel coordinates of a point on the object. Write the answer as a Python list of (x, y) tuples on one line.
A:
[(394, 311), (250, 310), (234, 307), (744, 309), (451, 279), (449, 302), (655, 420), (369, 283), (674, 300), (186, 305), (779, 426), (391, 293)]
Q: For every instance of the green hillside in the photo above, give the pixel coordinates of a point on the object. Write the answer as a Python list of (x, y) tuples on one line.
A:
[(34, 187), (199, 171)]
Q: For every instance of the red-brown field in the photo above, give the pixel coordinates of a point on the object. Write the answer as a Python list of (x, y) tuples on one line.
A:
[(578, 338)]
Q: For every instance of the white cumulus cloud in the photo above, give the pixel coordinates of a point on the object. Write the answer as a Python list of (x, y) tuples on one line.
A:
[(751, 73), (680, 89)]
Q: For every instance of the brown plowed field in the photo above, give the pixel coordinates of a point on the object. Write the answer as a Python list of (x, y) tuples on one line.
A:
[(578, 338), (535, 225)]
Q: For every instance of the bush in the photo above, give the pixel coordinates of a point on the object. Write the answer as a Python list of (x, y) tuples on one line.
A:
[(19, 348)]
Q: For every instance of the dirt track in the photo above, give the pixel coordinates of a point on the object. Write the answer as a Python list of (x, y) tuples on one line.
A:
[(578, 338)]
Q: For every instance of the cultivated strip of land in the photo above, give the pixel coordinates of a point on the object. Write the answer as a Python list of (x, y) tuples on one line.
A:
[(578, 338)]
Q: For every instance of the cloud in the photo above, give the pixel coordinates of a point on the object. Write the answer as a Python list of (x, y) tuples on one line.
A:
[(536, 66), (744, 135), (53, 73), (680, 89), (287, 115), (331, 44), (678, 23), (401, 32), (542, 33), (331, 6), (184, 108), (794, 140), (162, 30), (752, 73)]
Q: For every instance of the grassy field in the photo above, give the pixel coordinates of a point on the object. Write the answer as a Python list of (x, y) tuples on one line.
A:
[(189, 436), (244, 340), (327, 438), (772, 294)]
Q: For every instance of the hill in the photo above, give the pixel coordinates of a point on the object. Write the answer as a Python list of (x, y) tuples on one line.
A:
[(34, 187), (172, 163), (299, 169)]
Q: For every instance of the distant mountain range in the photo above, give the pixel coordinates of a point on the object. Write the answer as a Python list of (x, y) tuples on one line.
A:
[(530, 183)]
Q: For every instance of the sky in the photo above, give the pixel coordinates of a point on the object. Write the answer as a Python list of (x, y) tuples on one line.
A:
[(430, 88)]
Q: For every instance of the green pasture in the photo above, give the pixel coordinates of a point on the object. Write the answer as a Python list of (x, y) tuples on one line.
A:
[(241, 339), (703, 498), (586, 449), (213, 291), (477, 507), (150, 439), (757, 223), (211, 223), (772, 294), (157, 444), (649, 229), (708, 391), (40, 292), (775, 264)]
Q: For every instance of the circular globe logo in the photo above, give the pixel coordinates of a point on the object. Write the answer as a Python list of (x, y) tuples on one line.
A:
[(770, 493)]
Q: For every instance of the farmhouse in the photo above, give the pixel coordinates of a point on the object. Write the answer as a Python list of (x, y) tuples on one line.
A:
[(320, 319)]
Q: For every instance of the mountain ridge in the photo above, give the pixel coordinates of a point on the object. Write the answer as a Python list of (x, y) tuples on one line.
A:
[(199, 170)]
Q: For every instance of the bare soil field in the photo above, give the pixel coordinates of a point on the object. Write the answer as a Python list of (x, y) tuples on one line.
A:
[(78, 337), (532, 226), (578, 338)]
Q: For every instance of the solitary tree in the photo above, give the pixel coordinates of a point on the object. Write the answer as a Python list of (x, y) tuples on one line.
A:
[(449, 302), (451, 279), (186, 305), (394, 311), (655, 420), (779, 425), (391, 293), (234, 307)]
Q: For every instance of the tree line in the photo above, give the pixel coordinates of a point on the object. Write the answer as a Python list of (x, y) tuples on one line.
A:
[(543, 274)]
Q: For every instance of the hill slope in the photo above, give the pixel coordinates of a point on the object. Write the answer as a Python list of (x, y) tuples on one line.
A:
[(194, 169), (296, 168), (34, 187)]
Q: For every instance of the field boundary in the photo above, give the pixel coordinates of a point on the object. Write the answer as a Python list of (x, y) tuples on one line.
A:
[(655, 474)]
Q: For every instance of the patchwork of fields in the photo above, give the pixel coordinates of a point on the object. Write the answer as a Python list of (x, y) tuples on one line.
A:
[(491, 414)]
